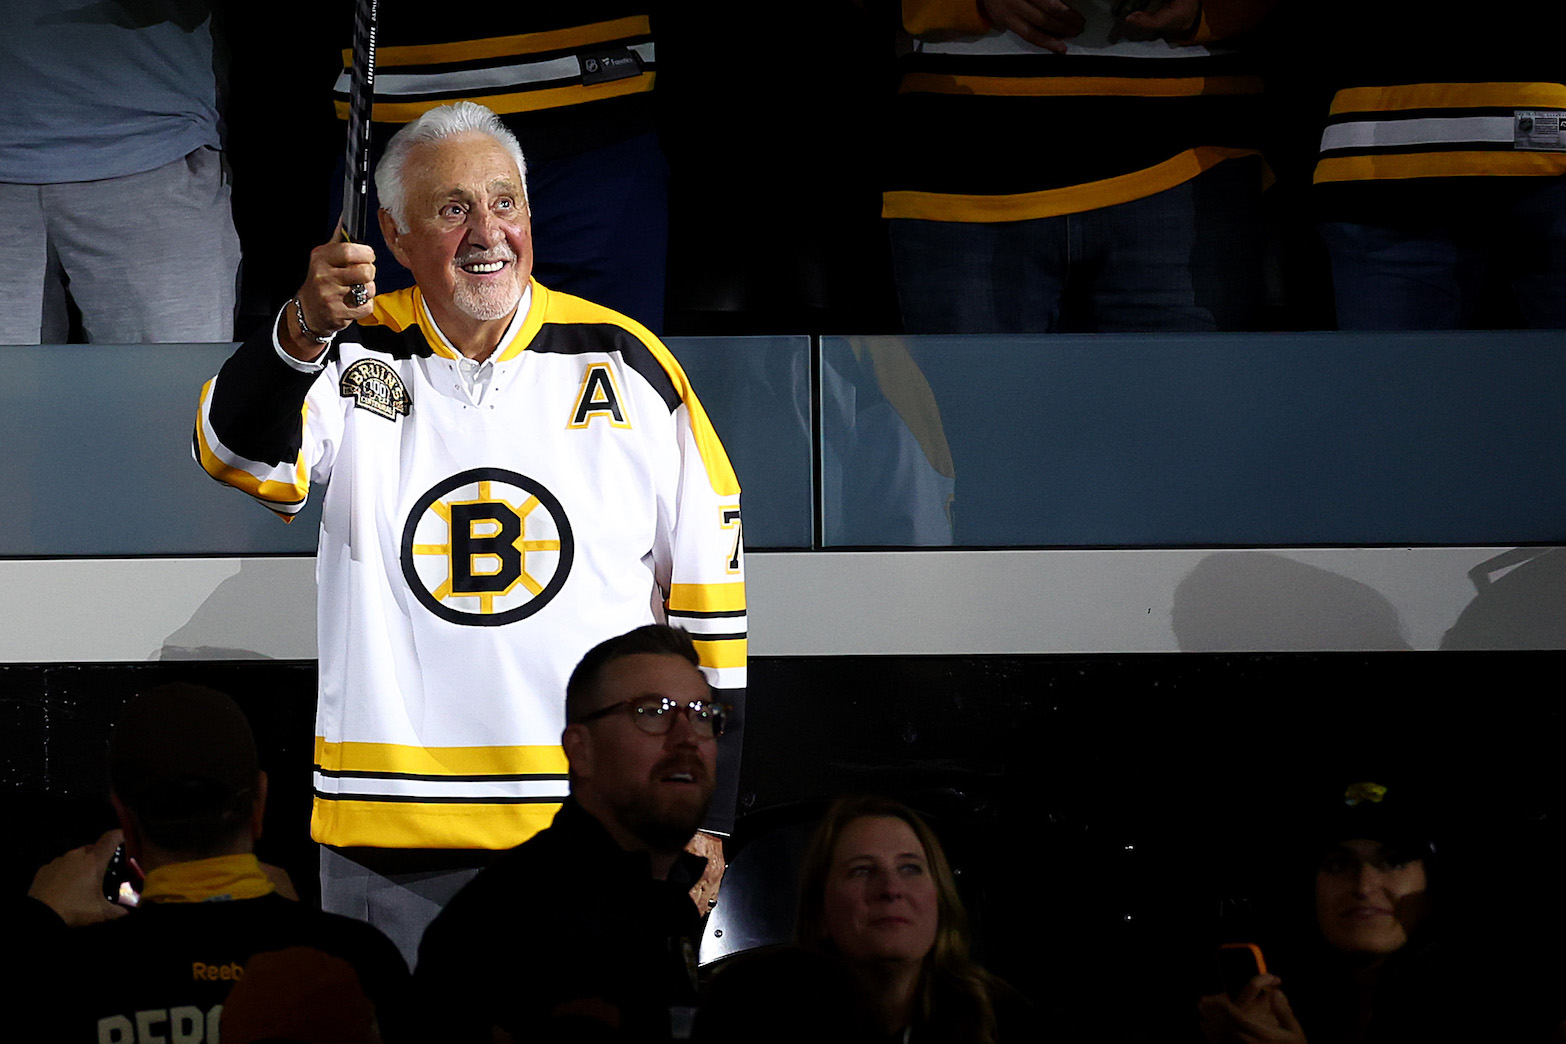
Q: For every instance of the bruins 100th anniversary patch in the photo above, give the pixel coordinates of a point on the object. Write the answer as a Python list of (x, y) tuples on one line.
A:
[(374, 386)]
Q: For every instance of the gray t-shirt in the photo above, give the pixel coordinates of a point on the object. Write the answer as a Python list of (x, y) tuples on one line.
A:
[(93, 89)]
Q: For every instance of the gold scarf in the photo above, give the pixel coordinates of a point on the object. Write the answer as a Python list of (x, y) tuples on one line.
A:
[(207, 881)]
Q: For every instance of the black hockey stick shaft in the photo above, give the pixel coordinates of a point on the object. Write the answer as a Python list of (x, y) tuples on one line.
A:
[(361, 96)]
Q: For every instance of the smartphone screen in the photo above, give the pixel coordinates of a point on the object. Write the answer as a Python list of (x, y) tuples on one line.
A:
[(121, 881), (1238, 964)]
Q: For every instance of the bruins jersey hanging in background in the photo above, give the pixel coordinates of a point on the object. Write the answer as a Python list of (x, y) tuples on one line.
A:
[(1420, 115), (473, 547), (989, 127), (564, 77)]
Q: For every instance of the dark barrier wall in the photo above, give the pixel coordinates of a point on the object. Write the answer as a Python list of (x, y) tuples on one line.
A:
[(1111, 817)]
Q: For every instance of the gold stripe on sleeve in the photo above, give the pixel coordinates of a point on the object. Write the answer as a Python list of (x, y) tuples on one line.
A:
[(397, 824), (728, 652), (706, 598)]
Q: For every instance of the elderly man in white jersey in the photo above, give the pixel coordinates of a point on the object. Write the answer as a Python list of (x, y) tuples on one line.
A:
[(515, 474)]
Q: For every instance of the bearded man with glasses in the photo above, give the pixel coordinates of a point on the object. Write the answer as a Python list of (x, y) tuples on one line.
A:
[(587, 931)]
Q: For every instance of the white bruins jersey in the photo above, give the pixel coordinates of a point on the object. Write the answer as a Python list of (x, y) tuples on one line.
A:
[(472, 551)]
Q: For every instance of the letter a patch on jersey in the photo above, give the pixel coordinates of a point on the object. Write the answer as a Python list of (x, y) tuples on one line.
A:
[(598, 397), (486, 547)]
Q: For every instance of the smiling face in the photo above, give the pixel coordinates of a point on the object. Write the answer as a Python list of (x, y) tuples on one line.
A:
[(880, 903), (1366, 903), (469, 242), (649, 791)]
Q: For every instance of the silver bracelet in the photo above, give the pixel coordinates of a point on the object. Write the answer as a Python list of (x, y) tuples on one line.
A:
[(304, 327)]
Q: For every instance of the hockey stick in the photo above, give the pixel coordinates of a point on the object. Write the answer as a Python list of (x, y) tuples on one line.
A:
[(361, 96)]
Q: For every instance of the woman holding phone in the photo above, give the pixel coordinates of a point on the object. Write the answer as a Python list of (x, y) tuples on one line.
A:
[(1374, 972)]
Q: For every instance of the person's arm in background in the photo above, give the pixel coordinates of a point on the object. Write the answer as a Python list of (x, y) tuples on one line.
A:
[(71, 885)]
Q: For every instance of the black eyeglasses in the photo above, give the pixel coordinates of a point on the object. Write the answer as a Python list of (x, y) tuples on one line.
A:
[(655, 714)]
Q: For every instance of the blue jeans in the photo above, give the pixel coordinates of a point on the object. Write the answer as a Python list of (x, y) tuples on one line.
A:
[(1431, 276), (1185, 259)]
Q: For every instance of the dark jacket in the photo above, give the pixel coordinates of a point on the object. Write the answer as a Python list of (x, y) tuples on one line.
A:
[(565, 937), (169, 966)]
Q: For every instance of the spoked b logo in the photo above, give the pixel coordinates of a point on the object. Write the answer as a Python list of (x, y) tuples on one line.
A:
[(486, 547)]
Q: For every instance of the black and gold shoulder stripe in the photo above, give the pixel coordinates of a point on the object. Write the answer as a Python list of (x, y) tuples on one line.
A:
[(396, 341), (583, 338)]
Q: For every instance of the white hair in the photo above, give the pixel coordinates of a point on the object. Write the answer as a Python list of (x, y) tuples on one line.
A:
[(447, 121)]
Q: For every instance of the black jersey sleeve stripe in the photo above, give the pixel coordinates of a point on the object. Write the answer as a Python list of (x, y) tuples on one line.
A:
[(529, 777), (715, 637), (1420, 147), (407, 343), (642, 361), (405, 799), (1393, 115), (256, 402)]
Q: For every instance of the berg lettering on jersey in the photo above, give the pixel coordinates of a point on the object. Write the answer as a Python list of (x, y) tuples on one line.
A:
[(182, 1025)]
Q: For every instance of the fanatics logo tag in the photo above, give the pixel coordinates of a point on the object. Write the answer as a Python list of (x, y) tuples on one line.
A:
[(609, 63), (374, 386), (1539, 131), (486, 547)]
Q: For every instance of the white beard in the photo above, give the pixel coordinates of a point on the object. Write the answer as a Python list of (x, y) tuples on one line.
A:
[(486, 301)]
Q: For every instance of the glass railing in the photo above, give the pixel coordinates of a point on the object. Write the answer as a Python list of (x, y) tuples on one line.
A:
[(1201, 441), (1068, 441)]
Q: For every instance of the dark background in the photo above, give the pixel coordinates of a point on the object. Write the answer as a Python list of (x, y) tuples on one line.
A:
[(774, 123), (1111, 817)]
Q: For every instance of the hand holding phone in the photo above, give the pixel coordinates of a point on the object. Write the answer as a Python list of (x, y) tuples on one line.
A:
[(73, 884), (1238, 964)]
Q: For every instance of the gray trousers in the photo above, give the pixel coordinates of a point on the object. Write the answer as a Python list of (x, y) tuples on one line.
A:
[(150, 257), (399, 891)]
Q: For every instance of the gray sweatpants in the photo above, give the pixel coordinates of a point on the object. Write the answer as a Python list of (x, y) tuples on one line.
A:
[(150, 257), (399, 891)]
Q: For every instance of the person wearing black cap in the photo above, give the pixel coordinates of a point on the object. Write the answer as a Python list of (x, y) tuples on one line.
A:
[(189, 794), (1375, 972)]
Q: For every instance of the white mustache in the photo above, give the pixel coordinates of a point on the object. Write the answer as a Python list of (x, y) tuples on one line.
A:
[(479, 257)]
